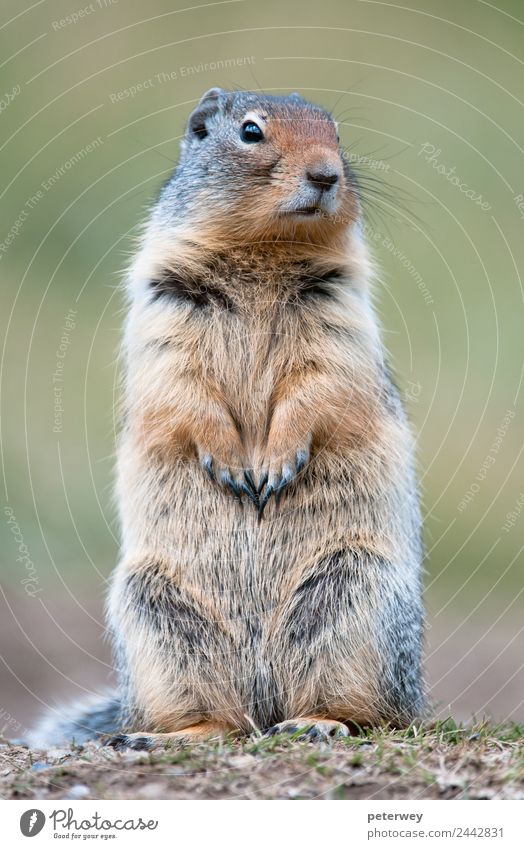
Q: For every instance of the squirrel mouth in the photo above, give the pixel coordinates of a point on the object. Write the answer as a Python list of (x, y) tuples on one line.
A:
[(307, 211)]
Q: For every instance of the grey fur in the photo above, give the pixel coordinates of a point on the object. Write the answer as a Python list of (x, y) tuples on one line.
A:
[(86, 720)]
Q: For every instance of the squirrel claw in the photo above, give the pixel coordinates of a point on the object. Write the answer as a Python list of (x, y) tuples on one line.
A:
[(267, 495), (288, 474), (311, 729), (227, 480), (250, 480), (117, 742), (253, 497), (277, 483), (276, 729), (124, 741), (263, 480), (250, 487), (224, 477), (301, 460), (207, 465), (140, 743)]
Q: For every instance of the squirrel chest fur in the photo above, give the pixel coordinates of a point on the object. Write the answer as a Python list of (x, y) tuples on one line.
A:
[(271, 557)]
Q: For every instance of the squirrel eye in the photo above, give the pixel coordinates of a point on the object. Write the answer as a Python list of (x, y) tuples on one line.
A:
[(251, 132)]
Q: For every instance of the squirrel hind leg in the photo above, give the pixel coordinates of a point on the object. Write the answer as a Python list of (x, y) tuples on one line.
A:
[(310, 728), (140, 741)]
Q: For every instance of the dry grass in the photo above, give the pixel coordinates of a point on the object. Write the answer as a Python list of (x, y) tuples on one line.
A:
[(437, 761)]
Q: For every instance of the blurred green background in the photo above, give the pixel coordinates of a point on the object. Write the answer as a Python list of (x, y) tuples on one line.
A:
[(93, 101)]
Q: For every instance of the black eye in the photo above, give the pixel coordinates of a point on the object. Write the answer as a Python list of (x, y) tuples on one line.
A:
[(251, 132)]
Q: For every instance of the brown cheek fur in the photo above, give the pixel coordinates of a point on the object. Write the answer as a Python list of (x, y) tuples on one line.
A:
[(294, 141)]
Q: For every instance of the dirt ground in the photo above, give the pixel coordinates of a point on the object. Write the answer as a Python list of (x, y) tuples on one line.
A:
[(443, 762)]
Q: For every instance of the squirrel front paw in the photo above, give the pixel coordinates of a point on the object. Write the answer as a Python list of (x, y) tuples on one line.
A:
[(237, 480), (278, 472), (276, 469)]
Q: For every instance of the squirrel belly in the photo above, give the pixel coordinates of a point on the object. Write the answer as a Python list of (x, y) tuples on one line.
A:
[(271, 559)]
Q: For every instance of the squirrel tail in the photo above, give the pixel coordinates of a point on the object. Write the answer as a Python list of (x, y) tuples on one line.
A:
[(77, 723)]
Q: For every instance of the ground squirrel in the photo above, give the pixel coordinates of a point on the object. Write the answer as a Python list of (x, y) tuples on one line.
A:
[(270, 575)]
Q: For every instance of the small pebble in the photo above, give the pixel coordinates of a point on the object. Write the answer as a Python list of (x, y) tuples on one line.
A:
[(58, 754), (39, 765), (78, 791), (153, 791), (241, 761), (130, 756)]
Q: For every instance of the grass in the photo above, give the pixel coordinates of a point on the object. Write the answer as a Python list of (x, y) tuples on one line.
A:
[(441, 760)]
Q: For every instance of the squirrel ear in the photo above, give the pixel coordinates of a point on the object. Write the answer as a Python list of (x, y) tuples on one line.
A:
[(211, 94), (206, 107)]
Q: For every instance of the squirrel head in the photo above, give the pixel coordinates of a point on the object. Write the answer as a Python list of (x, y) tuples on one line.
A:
[(258, 166)]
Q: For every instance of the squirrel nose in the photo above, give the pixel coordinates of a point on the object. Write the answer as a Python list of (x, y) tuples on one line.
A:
[(322, 178)]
